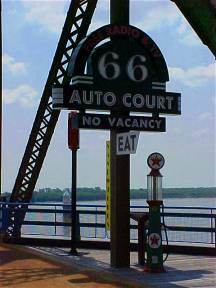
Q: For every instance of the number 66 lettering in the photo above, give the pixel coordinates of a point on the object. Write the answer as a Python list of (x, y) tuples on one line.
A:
[(135, 72)]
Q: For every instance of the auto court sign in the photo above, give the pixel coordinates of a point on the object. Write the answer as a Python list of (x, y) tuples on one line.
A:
[(118, 69)]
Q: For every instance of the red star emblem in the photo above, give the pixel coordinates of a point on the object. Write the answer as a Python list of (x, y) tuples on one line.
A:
[(156, 160), (154, 240)]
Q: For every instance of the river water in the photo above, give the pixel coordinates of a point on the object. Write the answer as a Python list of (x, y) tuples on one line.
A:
[(193, 202), (92, 232)]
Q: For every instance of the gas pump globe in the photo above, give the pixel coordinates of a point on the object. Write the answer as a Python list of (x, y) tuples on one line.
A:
[(154, 186), (154, 199)]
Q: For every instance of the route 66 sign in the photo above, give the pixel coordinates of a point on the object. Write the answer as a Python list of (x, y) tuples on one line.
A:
[(118, 68), (130, 53), (122, 63)]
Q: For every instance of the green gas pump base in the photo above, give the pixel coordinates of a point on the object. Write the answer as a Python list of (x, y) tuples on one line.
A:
[(154, 262)]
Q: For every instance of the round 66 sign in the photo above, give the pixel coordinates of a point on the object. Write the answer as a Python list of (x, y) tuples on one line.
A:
[(155, 161), (121, 61), (118, 68)]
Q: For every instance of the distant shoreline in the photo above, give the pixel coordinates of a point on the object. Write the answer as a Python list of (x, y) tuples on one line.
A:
[(95, 194)]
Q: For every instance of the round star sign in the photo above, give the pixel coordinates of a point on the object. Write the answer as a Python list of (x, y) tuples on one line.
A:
[(154, 240), (155, 161)]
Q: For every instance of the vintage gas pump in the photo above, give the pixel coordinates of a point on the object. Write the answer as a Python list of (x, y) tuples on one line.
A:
[(154, 242)]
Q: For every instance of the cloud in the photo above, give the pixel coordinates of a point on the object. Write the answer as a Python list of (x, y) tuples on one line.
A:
[(206, 116), (49, 14), (103, 5), (24, 94), (202, 133), (164, 15), (193, 77), (159, 16), (12, 66), (187, 34)]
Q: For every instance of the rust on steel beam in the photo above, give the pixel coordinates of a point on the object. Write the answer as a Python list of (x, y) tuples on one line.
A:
[(201, 15)]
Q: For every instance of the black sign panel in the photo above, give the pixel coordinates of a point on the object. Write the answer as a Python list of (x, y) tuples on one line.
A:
[(104, 121), (73, 98), (126, 72), (112, 59), (122, 64)]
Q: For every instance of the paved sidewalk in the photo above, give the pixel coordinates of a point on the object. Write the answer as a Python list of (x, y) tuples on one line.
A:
[(181, 270), (21, 267), (27, 267)]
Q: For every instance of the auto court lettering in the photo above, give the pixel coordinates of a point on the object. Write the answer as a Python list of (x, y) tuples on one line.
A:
[(103, 99)]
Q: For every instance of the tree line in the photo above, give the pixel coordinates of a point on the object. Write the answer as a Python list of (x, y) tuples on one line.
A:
[(94, 194)]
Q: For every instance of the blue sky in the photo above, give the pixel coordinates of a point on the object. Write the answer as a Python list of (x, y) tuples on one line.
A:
[(31, 30)]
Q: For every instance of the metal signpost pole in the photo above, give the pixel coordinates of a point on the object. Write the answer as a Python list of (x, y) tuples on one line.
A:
[(73, 144), (120, 174), (73, 202)]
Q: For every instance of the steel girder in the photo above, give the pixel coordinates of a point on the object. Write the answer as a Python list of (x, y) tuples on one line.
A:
[(201, 15), (75, 29)]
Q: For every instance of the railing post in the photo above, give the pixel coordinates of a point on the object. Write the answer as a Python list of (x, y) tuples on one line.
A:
[(78, 227), (141, 242), (215, 230), (211, 220), (55, 220), (4, 218), (96, 222), (17, 232)]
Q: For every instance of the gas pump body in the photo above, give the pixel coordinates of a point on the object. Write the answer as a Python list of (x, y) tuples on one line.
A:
[(154, 238)]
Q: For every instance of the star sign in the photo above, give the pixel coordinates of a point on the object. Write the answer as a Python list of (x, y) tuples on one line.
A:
[(156, 161), (154, 240)]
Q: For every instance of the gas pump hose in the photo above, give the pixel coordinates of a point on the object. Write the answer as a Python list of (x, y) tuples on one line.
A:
[(165, 232)]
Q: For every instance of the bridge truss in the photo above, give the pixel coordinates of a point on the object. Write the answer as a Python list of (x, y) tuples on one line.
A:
[(76, 25)]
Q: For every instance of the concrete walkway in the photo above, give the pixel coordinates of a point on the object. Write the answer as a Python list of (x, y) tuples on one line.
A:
[(26, 267), (23, 267), (181, 270)]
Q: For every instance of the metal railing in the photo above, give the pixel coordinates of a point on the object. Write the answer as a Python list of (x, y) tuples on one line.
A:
[(183, 224)]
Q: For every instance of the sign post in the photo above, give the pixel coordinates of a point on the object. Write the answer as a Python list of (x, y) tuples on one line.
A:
[(108, 191), (73, 144), (120, 173)]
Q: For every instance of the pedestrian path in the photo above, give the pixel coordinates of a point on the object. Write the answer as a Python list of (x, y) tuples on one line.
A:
[(21, 267), (26, 267)]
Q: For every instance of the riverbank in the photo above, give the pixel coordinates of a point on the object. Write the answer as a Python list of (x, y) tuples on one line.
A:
[(95, 194)]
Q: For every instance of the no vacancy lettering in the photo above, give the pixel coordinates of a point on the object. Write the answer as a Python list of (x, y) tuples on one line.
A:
[(103, 121)]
